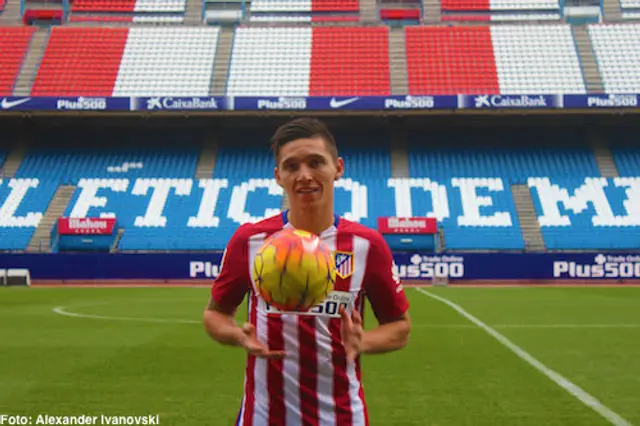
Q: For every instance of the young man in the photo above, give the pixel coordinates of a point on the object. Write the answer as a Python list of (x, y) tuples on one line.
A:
[(305, 369)]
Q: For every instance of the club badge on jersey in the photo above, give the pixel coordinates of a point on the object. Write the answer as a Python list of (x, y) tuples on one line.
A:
[(328, 308)]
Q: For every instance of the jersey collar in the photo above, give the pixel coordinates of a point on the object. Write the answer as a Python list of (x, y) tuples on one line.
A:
[(285, 219)]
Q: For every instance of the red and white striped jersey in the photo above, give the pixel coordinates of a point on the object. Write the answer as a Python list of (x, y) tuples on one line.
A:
[(313, 384)]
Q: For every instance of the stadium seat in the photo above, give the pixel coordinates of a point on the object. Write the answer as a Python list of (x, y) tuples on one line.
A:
[(13, 49), (450, 60), (495, 5), (309, 61), (80, 62), (129, 6), (593, 214), (617, 54), (173, 61), (506, 59), (128, 62)]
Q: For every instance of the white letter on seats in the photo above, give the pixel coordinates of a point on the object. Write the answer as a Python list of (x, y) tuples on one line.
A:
[(550, 195), (161, 188), (403, 186), (471, 202), (359, 199), (19, 189), (88, 199), (239, 196), (632, 203), (206, 217)]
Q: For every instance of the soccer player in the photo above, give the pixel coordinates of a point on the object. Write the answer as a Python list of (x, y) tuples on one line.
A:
[(305, 369)]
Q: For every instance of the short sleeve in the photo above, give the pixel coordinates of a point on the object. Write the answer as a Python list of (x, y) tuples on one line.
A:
[(232, 283), (383, 289)]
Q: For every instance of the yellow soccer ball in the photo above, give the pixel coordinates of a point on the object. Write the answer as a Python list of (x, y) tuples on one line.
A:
[(294, 270)]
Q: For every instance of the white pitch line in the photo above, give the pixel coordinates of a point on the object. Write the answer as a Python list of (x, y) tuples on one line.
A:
[(573, 389), (529, 326), (61, 311)]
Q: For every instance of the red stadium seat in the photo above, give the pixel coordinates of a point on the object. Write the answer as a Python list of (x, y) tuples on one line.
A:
[(400, 14), (81, 62), (450, 60), (335, 5), (348, 61), (458, 5), (103, 6), (13, 48)]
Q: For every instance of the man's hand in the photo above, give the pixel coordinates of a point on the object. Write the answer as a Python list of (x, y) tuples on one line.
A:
[(351, 333), (255, 347)]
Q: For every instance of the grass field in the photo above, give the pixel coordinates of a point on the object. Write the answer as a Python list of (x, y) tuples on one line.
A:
[(143, 351)]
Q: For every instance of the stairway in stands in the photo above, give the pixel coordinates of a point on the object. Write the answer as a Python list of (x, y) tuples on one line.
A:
[(604, 158), (398, 62), (222, 62), (11, 14), (590, 69), (29, 69), (207, 159), (368, 11), (612, 10), (193, 13), (528, 218), (13, 160), (431, 11), (41, 240)]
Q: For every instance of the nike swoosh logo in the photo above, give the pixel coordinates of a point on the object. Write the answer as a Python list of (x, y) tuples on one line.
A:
[(7, 104), (338, 104)]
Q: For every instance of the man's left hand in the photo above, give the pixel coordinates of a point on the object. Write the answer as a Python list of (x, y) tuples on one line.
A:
[(351, 332)]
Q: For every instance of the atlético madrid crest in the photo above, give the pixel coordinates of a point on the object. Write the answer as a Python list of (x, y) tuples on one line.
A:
[(344, 263)]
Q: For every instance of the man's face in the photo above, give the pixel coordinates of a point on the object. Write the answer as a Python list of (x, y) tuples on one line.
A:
[(307, 171)]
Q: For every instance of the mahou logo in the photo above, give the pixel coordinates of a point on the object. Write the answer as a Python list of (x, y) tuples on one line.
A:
[(87, 224), (406, 223)]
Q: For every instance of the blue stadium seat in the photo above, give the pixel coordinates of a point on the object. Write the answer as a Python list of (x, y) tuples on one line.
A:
[(588, 221), (16, 230)]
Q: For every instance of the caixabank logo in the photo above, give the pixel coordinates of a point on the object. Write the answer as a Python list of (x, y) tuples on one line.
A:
[(602, 266), (425, 266)]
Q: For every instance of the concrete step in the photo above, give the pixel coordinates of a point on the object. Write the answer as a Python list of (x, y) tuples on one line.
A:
[(398, 62), (612, 10), (193, 13), (368, 11), (431, 11), (604, 158), (529, 225), (41, 239), (11, 14), (222, 62), (592, 76), (399, 156), (31, 63), (207, 160), (13, 161)]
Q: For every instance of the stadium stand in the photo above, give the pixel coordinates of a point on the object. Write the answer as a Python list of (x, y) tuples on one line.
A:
[(617, 53), (496, 166), (501, 10), (157, 11), (304, 10), (13, 49), (506, 59), (340, 61), (141, 61)]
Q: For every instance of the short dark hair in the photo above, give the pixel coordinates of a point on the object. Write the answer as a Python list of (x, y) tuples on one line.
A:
[(302, 128)]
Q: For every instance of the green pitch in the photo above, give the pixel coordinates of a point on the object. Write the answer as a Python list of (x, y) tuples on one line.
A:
[(103, 361)]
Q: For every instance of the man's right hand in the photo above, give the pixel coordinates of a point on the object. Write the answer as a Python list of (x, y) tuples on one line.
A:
[(255, 347)]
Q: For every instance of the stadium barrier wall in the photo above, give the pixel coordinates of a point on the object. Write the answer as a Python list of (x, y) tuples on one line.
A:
[(409, 266), (319, 103)]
